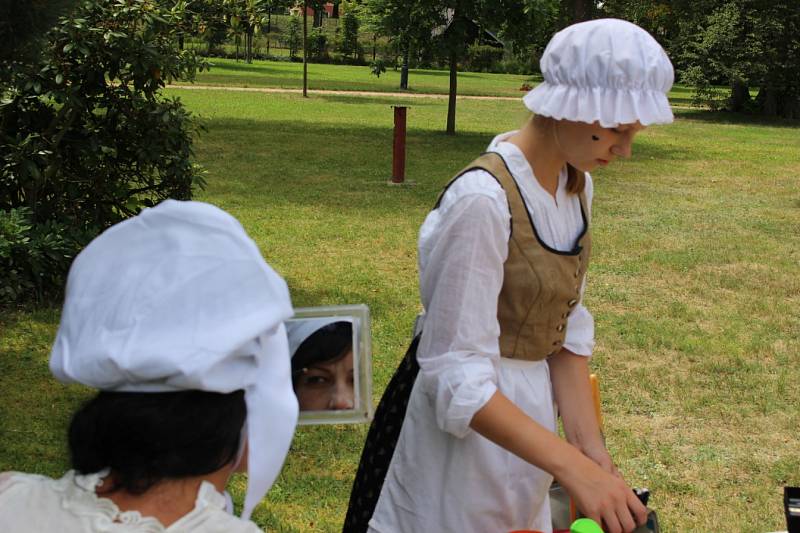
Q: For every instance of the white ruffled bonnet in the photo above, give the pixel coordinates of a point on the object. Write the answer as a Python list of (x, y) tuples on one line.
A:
[(605, 70), (180, 298)]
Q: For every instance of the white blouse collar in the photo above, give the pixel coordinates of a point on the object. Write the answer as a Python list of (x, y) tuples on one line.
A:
[(80, 496)]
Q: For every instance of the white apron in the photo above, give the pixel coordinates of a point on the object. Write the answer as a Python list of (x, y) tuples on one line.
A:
[(439, 482)]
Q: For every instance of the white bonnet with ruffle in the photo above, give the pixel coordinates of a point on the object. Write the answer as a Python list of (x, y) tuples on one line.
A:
[(180, 298), (606, 70)]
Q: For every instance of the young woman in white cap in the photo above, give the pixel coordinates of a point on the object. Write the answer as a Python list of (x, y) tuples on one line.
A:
[(177, 319), (465, 436)]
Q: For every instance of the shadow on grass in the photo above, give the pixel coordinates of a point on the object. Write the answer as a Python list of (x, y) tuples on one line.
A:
[(744, 119), (387, 100), (303, 164), (260, 68)]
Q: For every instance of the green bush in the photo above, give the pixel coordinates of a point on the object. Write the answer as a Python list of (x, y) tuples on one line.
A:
[(483, 58), (294, 36), (33, 258), (350, 48), (86, 139), (317, 45)]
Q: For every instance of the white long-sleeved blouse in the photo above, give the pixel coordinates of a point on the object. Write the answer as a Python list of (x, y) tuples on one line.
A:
[(462, 247)]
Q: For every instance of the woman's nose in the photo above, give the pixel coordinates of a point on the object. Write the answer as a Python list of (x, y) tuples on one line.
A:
[(342, 398)]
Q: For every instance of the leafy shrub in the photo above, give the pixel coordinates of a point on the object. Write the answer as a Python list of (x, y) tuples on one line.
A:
[(294, 36), (33, 258), (482, 58), (317, 45), (350, 48), (85, 138), (377, 67)]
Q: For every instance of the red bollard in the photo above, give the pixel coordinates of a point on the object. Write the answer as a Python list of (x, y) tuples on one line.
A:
[(399, 145)]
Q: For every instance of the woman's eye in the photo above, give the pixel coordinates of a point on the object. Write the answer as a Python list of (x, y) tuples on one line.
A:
[(314, 381)]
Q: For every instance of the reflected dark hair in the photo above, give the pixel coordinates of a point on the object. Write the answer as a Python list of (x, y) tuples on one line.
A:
[(147, 437), (326, 345)]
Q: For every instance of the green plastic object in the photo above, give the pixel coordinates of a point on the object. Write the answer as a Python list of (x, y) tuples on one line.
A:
[(585, 525)]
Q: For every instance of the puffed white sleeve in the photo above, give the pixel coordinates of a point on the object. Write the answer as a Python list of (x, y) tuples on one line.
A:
[(580, 324), (459, 348)]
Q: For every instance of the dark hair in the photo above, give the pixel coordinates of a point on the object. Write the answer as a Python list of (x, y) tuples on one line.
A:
[(146, 437), (328, 344)]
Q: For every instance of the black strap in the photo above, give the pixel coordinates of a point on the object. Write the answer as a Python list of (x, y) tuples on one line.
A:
[(381, 442)]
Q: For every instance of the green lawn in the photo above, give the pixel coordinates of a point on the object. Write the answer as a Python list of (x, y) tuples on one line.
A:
[(285, 75), (229, 72), (694, 285)]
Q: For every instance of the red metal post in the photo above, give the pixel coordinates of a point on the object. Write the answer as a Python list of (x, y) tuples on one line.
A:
[(399, 146)]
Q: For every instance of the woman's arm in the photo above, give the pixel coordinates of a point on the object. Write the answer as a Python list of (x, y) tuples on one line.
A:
[(569, 374), (599, 495)]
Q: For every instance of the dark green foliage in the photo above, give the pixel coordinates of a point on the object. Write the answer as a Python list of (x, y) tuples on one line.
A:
[(22, 25), (350, 47), (317, 45), (33, 258), (482, 57), (85, 138), (294, 36), (740, 44), (377, 67)]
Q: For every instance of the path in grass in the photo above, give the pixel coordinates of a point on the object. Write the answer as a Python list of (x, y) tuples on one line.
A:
[(694, 286), (345, 93)]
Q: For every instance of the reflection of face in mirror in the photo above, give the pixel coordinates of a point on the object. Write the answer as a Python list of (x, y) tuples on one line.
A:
[(322, 363)]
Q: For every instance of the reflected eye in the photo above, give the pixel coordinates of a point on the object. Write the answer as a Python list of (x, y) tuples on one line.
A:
[(311, 380), (595, 138)]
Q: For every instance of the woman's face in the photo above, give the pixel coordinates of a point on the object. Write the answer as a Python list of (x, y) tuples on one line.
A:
[(326, 385), (588, 146)]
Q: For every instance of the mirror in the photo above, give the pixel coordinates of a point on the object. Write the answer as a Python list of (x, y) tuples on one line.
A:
[(331, 363)]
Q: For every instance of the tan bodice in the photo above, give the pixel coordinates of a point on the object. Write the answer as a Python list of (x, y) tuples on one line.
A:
[(541, 286)]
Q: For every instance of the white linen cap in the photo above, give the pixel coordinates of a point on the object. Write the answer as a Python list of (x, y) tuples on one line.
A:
[(605, 70), (180, 298), (299, 330)]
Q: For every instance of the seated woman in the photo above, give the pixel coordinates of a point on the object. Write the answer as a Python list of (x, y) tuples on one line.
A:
[(177, 319), (322, 363)]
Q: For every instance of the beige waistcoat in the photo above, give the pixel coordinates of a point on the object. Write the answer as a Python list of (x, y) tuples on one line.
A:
[(541, 286)]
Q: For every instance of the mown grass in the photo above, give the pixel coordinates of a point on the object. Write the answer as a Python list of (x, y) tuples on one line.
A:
[(694, 285), (286, 75)]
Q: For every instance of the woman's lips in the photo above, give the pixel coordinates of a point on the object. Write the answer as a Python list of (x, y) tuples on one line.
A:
[(603, 161)]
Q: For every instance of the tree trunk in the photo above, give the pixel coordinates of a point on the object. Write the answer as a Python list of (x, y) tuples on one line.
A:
[(305, 49), (581, 10), (374, 45), (269, 21), (767, 101), (740, 96), (451, 102), (317, 18), (404, 70), (248, 43), (180, 41), (335, 13)]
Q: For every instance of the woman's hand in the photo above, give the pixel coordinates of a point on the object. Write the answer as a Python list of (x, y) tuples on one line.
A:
[(599, 495), (603, 496)]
